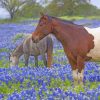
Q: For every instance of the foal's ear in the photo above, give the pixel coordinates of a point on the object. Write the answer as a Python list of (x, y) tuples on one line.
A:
[(9, 56)]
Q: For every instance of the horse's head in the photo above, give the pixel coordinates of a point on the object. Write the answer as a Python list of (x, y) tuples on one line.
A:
[(13, 60), (43, 28)]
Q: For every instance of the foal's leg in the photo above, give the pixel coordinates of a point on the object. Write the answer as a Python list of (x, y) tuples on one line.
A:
[(26, 57), (36, 61), (49, 53), (80, 64), (44, 59)]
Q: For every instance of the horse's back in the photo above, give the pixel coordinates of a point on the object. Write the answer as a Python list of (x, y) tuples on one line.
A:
[(95, 52)]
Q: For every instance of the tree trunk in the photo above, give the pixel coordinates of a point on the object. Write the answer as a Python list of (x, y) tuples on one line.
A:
[(11, 16)]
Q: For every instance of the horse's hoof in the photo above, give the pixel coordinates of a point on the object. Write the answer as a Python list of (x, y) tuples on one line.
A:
[(81, 83), (75, 83)]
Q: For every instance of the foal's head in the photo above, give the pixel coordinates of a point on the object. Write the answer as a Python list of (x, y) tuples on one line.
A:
[(43, 28), (13, 60)]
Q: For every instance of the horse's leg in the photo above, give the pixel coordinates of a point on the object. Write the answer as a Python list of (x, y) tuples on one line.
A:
[(74, 71), (44, 59), (49, 53), (26, 57), (73, 62), (36, 61), (81, 76), (80, 65)]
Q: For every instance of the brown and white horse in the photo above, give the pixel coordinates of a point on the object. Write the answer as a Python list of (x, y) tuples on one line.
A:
[(76, 40)]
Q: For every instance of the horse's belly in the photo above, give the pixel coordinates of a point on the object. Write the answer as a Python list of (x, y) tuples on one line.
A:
[(35, 53), (95, 52)]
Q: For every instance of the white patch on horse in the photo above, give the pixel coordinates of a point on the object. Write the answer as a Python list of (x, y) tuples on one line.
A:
[(75, 74), (95, 52), (80, 75)]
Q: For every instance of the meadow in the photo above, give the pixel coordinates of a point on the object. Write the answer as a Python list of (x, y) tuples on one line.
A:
[(42, 83)]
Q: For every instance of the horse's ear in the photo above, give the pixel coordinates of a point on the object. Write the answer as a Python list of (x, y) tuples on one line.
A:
[(44, 16), (41, 13)]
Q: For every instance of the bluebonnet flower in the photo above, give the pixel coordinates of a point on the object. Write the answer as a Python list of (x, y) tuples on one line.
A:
[(34, 82)]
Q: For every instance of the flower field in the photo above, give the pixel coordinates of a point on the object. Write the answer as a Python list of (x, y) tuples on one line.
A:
[(42, 83)]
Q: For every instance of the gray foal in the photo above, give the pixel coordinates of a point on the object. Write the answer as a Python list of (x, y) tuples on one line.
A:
[(28, 48)]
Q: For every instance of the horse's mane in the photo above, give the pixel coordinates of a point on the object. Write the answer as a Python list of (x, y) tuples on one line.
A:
[(63, 20)]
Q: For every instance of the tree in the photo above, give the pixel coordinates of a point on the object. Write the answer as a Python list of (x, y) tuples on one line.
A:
[(86, 10), (64, 7), (31, 10), (12, 6)]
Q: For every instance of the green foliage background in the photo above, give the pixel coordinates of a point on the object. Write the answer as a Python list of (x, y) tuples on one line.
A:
[(31, 9)]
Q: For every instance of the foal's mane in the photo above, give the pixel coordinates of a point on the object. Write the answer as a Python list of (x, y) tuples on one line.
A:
[(14, 51), (18, 48)]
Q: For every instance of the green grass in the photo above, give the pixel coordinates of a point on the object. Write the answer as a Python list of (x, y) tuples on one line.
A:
[(54, 83), (66, 85), (16, 20), (99, 98), (80, 17), (12, 86), (4, 50), (21, 19), (9, 88), (92, 85), (72, 17), (17, 37), (59, 53), (21, 63), (34, 24), (58, 83), (3, 64)]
